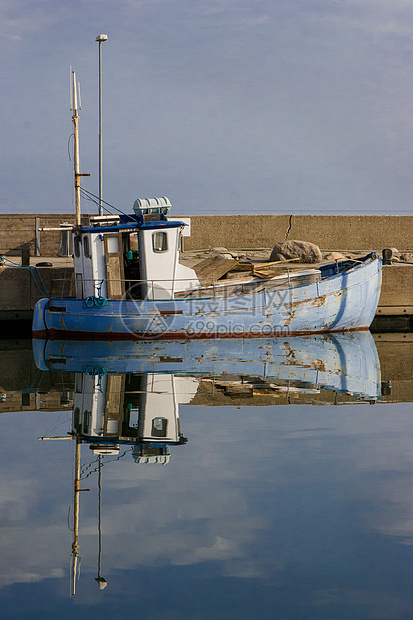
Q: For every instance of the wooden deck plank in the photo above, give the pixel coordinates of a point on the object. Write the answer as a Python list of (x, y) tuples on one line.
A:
[(214, 267)]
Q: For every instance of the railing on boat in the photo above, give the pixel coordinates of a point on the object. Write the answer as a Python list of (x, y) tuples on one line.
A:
[(209, 287), (167, 289), (133, 288)]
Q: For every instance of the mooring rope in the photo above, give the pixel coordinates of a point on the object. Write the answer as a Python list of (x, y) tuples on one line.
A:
[(43, 289)]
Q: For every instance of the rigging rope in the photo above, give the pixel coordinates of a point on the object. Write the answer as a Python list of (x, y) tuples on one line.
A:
[(93, 198)]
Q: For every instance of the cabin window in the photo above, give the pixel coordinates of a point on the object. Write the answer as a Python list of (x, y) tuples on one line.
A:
[(112, 244), (159, 426), (86, 421), (76, 243), (86, 247), (76, 419), (160, 241), (133, 418), (133, 242), (79, 383), (79, 285)]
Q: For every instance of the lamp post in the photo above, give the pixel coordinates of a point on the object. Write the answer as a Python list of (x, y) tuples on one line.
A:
[(99, 579), (100, 39)]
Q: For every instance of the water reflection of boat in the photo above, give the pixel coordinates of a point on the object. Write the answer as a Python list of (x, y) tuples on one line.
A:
[(142, 410), (114, 410), (127, 394), (344, 362), (111, 410)]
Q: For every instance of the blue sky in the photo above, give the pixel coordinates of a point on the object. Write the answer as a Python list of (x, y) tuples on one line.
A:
[(225, 106)]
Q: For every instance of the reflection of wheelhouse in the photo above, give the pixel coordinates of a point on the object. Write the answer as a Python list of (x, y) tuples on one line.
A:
[(120, 256), (110, 410)]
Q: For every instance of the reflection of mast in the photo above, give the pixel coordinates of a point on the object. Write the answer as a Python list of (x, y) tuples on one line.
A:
[(75, 545), (101, 581), (76, 506)]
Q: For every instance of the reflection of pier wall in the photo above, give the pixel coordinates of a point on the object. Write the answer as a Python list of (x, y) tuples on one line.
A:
[(19, 378), (23, 401), (396, 363), (17, 367), (19, 375)]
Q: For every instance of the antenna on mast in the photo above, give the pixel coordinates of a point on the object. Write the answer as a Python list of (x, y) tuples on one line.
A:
[(101, 38), (79, 96)]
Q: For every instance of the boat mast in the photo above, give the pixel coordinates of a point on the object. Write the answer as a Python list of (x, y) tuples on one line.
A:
[(75, 119), (76, 106)]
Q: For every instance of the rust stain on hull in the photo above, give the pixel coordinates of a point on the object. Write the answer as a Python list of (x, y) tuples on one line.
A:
[(291, 360), (319, 301)]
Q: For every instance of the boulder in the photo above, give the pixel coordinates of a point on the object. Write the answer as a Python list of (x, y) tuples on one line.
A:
[(305, 251)]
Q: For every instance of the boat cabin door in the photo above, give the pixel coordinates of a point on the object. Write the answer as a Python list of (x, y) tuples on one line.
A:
[(114, 266), (115, 388)]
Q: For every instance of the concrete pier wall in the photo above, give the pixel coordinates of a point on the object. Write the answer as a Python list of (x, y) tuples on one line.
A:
[(21, 288), (22, 232), (330, 232)]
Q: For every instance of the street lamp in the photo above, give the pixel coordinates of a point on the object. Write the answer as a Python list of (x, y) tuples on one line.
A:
[(100, 39)]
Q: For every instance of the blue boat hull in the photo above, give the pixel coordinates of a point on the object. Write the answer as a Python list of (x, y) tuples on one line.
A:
[(339, 302)]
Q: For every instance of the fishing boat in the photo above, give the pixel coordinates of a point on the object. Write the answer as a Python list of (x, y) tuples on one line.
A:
[(129, 282)]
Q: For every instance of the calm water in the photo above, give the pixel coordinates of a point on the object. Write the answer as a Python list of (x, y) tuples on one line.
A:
[(288, 500)]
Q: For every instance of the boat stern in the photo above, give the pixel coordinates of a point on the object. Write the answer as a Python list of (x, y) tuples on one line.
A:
[(39, 328)]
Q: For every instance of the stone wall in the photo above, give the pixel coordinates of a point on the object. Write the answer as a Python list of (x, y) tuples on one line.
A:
[(330, 232), (18, 232), (22, 287)]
